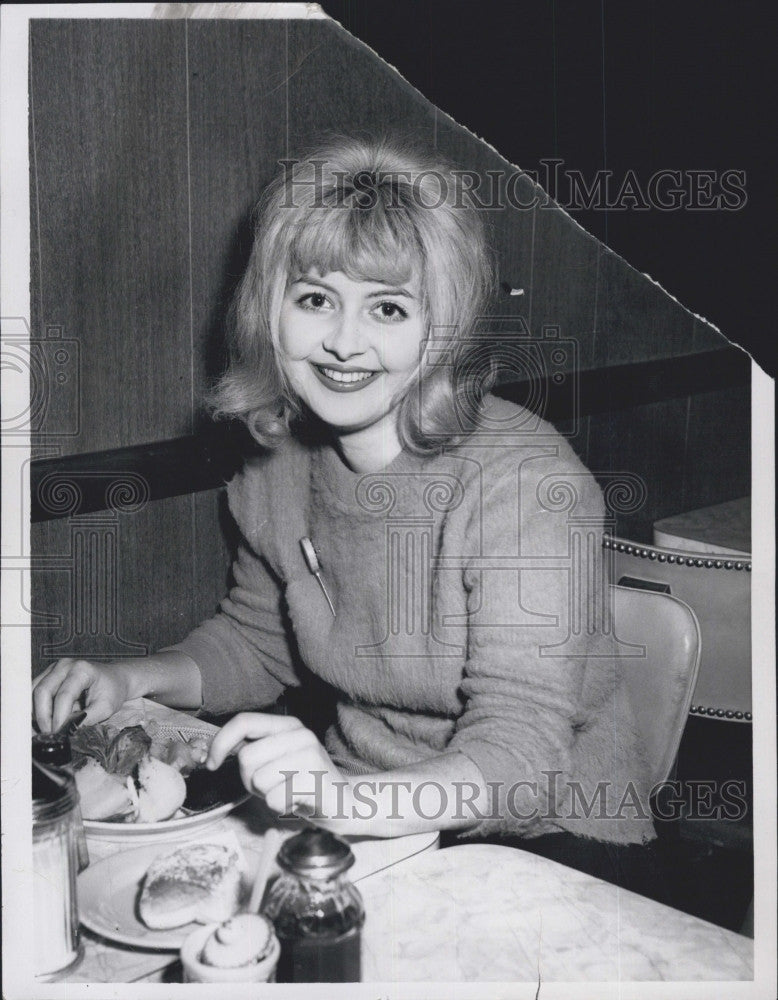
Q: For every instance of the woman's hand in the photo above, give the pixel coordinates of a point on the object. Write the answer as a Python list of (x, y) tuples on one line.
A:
[(60, 688), (284, 762), (170, 677)]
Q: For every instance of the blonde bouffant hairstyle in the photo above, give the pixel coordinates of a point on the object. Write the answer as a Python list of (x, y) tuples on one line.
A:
[(376, 211)]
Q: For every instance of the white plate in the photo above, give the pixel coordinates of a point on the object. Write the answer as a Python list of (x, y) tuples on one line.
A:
[(169, 829), (108, 894)]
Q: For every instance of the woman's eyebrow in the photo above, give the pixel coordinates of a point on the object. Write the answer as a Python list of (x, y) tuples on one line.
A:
[(305, 280), (391, 291)]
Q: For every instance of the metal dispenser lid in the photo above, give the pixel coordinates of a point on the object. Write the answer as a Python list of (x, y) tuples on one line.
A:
[(315, 853)]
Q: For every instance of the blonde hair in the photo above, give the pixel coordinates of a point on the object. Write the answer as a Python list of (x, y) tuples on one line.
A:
[(374, 210)]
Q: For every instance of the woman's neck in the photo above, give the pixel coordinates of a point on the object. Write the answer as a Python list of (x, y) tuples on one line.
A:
[(370, 449)]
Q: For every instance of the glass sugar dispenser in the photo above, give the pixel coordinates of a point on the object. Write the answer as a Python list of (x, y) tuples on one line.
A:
[(318, 914), (55, 864), (53, 750)]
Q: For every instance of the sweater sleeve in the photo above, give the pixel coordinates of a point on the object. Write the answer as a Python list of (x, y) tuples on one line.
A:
[(244, 652), (522, 694)]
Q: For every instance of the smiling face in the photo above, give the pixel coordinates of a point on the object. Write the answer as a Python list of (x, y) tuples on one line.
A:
[(349, 349)]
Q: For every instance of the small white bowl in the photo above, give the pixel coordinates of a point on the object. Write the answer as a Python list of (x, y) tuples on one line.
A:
[(196, 972)]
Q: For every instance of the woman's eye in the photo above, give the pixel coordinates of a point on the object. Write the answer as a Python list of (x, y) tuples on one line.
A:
[(391, 311), (313, 300)]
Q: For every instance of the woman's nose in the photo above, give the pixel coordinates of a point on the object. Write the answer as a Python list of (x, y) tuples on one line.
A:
[(345, 339)]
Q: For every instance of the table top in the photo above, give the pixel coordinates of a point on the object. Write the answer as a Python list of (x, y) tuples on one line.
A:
[(500, 914), (724, 528), (489, 914)]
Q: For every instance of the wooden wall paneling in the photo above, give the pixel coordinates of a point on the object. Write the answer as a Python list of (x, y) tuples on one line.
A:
[(336, 83), (83, 577), (214, 543), (509, 225), (718, 465), (564, 297), (126, 583), (237, 119), (564, 287), (646, 444), (108, 117), (636, 319), (50, 589), (542, 252), (705, 337)]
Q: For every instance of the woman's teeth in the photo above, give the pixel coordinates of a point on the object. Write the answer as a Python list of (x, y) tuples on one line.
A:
[(337, 376)]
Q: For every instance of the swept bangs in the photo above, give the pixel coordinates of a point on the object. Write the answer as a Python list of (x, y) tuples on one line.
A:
[(377, 245)]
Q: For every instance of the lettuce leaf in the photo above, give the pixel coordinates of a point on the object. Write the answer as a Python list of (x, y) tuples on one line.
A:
[(127, 749), (118, 753), (91, 741)]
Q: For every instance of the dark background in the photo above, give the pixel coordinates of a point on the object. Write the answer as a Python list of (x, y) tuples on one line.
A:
[(641, 84)]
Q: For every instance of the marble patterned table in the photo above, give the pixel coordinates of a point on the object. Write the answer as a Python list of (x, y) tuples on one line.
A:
[(482, 913), (724, 529)]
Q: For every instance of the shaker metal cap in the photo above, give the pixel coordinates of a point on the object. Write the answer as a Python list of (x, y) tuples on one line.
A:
[(315, 853)]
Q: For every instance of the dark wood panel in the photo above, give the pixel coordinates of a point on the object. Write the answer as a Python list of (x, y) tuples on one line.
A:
[(636, 319), (337, 84), (706, 337), (647, 445), (689, 453), (237, 135), (510, 226), (108, 117), (718, 463), (125, 584), (215, 541), (564, 285)]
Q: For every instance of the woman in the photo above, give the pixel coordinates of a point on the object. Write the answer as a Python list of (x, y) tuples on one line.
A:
[(404, 542)]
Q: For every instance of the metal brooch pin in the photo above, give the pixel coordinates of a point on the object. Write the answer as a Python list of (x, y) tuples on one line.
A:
[(312, 560)]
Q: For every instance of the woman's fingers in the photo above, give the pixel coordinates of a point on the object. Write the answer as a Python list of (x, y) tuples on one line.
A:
[(282, 760), (47, 672), (78, 679), (45, 688), (247, 726), (99, 706), (296, 778), (277, 753)]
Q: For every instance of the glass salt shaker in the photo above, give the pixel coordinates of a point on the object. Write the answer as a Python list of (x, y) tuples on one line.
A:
[(54, 861), (317, 912), (54, 751)]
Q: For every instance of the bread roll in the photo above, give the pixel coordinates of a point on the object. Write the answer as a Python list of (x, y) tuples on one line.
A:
[(199, 882), (161, 793), (102, 795)]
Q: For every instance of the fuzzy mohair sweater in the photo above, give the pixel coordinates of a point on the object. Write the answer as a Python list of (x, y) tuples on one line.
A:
[(458, 626)]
